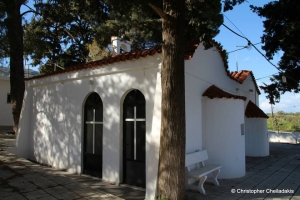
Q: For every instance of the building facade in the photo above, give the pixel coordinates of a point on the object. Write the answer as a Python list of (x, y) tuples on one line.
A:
[(103, 118)]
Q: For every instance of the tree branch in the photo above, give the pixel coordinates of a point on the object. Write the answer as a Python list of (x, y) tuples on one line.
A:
[(159, 11), (71, 36), (30, 10)]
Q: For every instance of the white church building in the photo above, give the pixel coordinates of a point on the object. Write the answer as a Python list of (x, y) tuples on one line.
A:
[(6, 117), (103, 118)]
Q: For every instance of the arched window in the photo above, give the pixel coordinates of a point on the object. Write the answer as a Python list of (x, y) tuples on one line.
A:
[(134, 139), (93, 135)]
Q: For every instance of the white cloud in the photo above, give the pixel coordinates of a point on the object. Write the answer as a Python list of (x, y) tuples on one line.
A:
[(289, 102), (247, 59)]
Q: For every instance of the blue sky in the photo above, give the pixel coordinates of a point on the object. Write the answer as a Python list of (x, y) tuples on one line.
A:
[(243, 21)]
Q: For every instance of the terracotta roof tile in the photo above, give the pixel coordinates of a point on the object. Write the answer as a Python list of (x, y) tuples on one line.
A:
[(189, 52), (241, 76), (215, 92), (253, 111)]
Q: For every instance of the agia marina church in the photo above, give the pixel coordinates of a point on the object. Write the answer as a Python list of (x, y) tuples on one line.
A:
[(103, 118)]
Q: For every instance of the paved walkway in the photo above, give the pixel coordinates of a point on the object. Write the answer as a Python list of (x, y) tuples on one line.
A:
[(280, 170), (22, 179)]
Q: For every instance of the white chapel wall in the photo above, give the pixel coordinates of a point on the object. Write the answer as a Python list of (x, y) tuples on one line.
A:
[(210, 122), (257, 140), (6, 118), (224, 137), (206, 68), (57, 122), (248, 90)]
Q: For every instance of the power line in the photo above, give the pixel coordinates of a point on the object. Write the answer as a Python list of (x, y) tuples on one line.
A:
[(250, 43), (266, 76), (243, 48), (234, 25), (235, 32)]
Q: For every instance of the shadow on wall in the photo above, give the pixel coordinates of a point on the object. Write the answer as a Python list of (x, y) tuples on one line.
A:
[(58, 120), (292, 138), (56, 127)]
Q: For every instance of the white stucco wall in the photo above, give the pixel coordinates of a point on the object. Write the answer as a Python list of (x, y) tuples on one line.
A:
[(24, 138), (193, 112), (248, 90), (256, 135), (215, 125), (222, 135), (153, 141), (52, 121), (284, 137), (6, 118), (206, 68)]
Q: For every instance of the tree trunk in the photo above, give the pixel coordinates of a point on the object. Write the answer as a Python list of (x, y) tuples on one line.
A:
[(15, 35), (171, 171)]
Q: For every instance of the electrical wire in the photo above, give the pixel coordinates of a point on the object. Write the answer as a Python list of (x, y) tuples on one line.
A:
[(266, 76), (235, 32), (234, 25), (250, 43), (243, 48), (210, 83)]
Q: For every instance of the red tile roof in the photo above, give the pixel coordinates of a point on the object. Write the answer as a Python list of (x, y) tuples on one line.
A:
[(241, 76), (215, 92), (189, 52), (253, 111)]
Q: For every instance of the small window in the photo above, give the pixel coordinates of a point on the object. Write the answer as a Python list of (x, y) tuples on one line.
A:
[(8, 98), (242, 129)]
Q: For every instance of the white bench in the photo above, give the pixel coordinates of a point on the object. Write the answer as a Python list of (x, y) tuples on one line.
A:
[(196, 170)]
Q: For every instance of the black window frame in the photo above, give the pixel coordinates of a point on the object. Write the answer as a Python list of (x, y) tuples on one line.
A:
[(8, 99)]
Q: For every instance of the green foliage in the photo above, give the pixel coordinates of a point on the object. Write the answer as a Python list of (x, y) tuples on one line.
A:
[(61, 32), (289, 122), (296, 128), (229, 4), (65, 30), (140, 23), (4, 50), (282, 30)]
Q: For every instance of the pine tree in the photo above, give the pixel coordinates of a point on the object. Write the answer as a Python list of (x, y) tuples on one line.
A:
[(282, 29), (13, 24), (177, 21)]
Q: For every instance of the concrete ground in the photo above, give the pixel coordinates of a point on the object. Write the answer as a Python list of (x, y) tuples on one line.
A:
[(267, 176)]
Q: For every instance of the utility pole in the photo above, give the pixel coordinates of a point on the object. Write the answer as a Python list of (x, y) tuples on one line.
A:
[(272, 116)]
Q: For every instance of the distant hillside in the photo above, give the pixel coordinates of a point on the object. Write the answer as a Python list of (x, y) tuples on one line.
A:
[(4, 71), (289, 122)]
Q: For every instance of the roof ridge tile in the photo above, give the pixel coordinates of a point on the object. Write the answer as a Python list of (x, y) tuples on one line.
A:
[(215, 92)]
